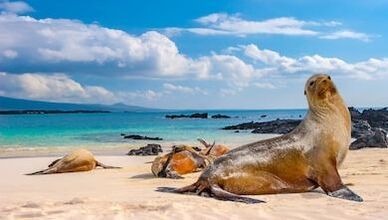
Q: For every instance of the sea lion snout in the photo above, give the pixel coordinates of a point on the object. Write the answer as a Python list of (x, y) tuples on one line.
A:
[(319, 87)]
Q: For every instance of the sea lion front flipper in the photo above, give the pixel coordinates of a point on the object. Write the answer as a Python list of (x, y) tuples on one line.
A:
[(330, 181), (99, 164), (346, 193), (166, 169)]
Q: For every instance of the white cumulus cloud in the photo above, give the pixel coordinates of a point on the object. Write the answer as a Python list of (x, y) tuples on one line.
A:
[(368, 69), (17, 7), (54, 87)]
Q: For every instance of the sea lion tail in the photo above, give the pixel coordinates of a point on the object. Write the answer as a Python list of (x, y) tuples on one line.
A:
[(99, 164)]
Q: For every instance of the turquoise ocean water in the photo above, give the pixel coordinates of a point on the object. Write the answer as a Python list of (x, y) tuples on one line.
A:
[(103, 130)]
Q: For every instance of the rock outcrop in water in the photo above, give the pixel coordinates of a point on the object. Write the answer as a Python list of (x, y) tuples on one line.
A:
[(195, 115), (149, 150), (279, 126), (368, 127), (219, 116), (140, 137)]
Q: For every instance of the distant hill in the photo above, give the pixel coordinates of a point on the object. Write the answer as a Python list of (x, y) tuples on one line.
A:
[(7, 103)]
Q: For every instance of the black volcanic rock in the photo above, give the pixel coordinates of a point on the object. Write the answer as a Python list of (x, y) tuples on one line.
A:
[(360, 128), (376, 118), (354, 113), (217, 116), (195, 115), (376, 138), (149, 150), (279, 126), (140, 137), (242, 126)]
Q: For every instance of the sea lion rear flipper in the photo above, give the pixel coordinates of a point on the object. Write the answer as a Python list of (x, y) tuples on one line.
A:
[(215, 191), (54, 162), (203, 142), (221, 194), (99, 164), (49, 170)]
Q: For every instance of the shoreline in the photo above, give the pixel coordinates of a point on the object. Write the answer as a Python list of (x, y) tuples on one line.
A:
[(129, 193), (116, 149)]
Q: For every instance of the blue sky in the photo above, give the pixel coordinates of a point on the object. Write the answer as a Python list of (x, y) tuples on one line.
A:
[(192, 54)]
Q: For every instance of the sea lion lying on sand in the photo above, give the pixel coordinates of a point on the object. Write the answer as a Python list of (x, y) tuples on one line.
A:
[(75, 161), (181, 160), (302, 160), (186, 159), (215, 150)]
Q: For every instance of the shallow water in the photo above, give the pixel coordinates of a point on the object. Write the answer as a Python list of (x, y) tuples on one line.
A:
[(103, 130)]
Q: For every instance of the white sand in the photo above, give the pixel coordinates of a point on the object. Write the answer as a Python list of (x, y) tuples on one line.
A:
[(129, 193)]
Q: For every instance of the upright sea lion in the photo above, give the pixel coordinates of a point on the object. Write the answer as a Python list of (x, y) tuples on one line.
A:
[(304, 159), (75, 161)]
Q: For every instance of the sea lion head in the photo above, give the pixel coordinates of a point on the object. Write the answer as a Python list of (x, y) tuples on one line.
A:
[(320, 90)]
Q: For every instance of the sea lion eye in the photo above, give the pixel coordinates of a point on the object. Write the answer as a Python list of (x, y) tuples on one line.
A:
[(312, 83), (329, 77)]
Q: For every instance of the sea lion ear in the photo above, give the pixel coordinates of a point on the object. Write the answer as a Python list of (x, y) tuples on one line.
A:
[(304, 92)]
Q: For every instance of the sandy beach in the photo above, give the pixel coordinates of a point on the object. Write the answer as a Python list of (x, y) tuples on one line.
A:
[(129, 193)]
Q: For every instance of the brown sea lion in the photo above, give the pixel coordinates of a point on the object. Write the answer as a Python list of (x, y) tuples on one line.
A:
[(76, 161), (304, 159), (214, 150), (181, 160)]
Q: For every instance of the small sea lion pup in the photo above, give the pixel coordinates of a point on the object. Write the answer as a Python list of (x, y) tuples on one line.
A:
[(185, 159), (213, 150), (181, 160), (304, 159), (75, 161)]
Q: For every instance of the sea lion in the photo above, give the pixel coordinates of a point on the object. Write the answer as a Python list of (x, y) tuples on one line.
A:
[(213, 150), (76, 161), (304, 159), (181, 160)]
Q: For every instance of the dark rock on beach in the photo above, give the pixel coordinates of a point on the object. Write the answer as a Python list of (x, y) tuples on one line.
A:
[(140, 137), (376, 118), (149, 150), (218, 116), (195, 115), (377, 137), (354, 113), (360, 128)]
